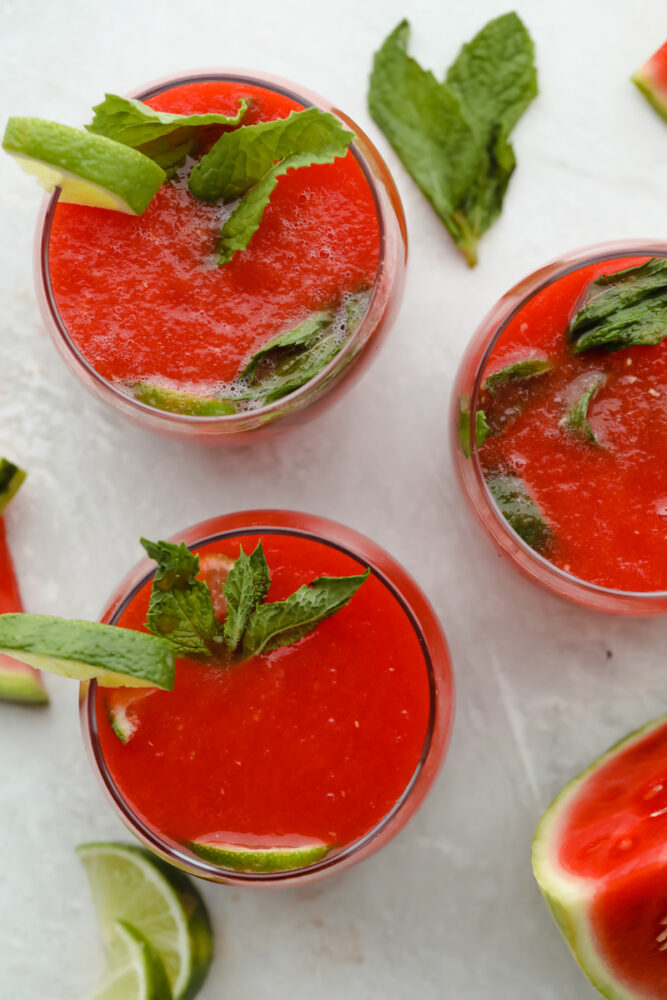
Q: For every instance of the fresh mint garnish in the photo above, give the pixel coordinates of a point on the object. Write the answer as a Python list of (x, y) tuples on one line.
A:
[(165, 138), (247, 163), (182, 402), (299, 336), (624, 309), (181, 608), (576, 419), (452, 137), (482, 429), (520, 510), (285, 622), (519, 371), (246, 586)]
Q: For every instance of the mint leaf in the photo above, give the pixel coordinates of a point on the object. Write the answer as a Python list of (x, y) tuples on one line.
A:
[(285, 622), (299, 336), (482, 429), (494, 76), (576, 419), (181, 608), (247, 163), (517, 372), (165, 138), (452, 136), (520, 510), (246, 586), (625, 309), (181, 402)]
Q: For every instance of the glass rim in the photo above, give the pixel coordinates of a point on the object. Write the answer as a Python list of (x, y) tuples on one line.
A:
[(307, 99), (498, 319), (142, 574)]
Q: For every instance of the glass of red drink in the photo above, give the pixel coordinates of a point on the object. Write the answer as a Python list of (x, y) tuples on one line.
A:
[(123, 296), (606, 502), (334, 740)]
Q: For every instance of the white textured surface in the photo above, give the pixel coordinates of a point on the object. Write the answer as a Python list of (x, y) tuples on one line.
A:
[(449, 909)]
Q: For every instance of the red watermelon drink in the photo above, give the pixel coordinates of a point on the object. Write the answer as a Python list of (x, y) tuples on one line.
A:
[(147, 318), (559, 427), (294, 763)]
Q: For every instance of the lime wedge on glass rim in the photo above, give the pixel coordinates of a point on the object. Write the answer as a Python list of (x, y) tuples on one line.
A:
[(263, 860), (134, 969), (128, 883), (117, 657), (89, 169)]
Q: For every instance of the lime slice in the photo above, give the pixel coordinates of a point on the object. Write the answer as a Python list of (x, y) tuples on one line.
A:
[(117, 657), (134, 969), (19, 682), (182, 402), (119, 704), (11, 478), (242, 858), (89, 169), (128, 883)]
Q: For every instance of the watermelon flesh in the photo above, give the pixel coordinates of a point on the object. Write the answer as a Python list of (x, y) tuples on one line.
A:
[(652, 80), (600, 860), (18, 681)]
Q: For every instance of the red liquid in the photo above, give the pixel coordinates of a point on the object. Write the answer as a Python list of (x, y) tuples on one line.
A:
[(142, 298), (318, 739), (607, 505)]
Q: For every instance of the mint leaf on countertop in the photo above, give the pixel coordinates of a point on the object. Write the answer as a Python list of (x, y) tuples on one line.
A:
[(165, 138), (181, 608), (284, 622), (520, 510), (246, 586), (247, 163), (576, 418), (452, 137), (625, 309)]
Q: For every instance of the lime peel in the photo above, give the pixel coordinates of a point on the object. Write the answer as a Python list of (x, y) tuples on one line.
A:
[(262, 860)]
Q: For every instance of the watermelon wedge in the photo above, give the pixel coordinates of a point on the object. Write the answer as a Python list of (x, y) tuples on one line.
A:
[(600, 860), (18, 681), (652, 80)]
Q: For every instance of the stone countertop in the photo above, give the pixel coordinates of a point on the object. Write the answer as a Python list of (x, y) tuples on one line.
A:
[(448, 909)]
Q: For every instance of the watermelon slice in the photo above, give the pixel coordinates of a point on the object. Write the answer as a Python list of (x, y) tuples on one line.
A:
[(18, 681), (652, 80), (600, 860)]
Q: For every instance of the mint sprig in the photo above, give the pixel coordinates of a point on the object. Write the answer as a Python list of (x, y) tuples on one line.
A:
[(165, 138), (518, 371), (181, 608), (246, 586), (453, 136), (247, 163)]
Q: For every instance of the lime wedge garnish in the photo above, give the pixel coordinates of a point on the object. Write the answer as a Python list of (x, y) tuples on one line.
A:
[(20, 683), (242, 858), (89, 169), (117, 657), (134, 969), (128, 883), (182, 402), (11, 478), (119, 705)]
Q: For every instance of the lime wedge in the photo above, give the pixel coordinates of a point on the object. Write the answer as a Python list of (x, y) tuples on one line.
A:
[(134, 969), (117, 657), (11, 479), (241, 858), (119, 704), (182, 402), (128, 883), (21, 683), (89, 169)]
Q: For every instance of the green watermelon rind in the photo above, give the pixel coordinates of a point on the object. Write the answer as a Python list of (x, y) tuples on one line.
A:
[(11, 480), (22, 686), (651, 89), (569, 896)]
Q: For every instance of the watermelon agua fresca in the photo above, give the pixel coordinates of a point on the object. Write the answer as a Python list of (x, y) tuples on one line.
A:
[(18, 681), (652, 80), (600, 859)]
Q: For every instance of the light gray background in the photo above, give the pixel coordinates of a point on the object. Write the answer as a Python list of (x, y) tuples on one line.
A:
[(449, 909)]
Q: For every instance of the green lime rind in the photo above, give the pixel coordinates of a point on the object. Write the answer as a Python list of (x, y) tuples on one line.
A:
[(129, 883), (89, 169), (134, 969), (20, 685), (11, 480), (239, 858), (123, 727), (569, 896), (81, 650), (182, 402), (648, 87)]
